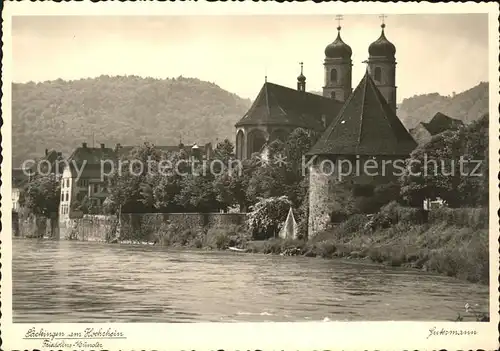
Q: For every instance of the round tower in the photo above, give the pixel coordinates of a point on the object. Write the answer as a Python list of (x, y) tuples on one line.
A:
[(382, 67), (338, 69)]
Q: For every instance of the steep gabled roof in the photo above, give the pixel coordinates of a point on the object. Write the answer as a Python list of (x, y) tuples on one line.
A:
[(124, 151), (279, 105), (366, 125), (92, 155), (441, 122)]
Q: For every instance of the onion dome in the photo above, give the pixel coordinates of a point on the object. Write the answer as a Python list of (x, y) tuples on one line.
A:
[(338, 49), (301, 78), (382, 46)]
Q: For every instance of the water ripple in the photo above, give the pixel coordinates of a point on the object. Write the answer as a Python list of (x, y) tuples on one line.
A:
[(62, 281)]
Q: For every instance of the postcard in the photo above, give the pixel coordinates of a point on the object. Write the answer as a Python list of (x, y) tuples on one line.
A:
[(249, 176)]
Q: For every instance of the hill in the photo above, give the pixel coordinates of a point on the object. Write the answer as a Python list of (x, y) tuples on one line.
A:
[(467, 106), (128, 110)]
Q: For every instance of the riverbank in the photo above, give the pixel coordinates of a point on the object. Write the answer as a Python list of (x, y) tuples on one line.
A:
[(443, 247)]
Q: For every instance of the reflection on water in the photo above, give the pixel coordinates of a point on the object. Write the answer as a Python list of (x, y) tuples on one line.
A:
[(64, 281)]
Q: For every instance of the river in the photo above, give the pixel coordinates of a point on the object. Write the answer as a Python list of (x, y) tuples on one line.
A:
[(68, 281)]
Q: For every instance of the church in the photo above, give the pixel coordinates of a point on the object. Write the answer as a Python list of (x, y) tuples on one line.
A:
[(359, 123)]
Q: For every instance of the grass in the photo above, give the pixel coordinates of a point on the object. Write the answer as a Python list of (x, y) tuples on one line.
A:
[(453, 248), (452, 242)]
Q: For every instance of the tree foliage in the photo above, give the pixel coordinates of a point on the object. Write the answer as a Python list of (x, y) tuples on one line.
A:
[(435, 170), (42, 195), (267, 216)]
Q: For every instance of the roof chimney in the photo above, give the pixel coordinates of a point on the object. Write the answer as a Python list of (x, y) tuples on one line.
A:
[(102, 146), (46, 152), (84, 145)]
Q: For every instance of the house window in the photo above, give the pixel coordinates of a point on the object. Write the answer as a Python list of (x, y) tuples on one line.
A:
[(333, 95), (378, 74), (62, 196), (333, 76), (67, 196), (96, 188), (67, 183)]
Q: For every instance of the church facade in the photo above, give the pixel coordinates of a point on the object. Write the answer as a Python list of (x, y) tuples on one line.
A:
[(354, 125)]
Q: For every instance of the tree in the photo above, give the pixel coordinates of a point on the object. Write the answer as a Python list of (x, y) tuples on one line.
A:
[(267, 216), (42, 195), (198, 193), (443, 168), (130, 183), (224, 151)]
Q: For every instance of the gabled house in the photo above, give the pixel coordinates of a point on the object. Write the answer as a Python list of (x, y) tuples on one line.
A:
[(85, 176), (423, 132)]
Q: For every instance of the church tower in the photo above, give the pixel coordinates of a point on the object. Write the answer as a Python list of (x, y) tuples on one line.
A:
[(338, 69), (301, 79), (382, 67)]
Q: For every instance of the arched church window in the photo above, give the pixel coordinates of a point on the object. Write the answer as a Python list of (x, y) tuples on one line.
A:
[(333, 75), (332, 95), (378, 74)]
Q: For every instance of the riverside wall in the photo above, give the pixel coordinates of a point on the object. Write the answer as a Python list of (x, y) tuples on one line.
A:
[(135, 227)]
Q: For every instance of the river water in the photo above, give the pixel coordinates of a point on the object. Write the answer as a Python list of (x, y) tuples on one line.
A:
[(67, 281)]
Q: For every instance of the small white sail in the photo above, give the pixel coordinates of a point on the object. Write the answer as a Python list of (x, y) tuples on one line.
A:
[(289, 229)]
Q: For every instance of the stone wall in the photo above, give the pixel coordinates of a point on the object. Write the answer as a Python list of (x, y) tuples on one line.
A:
[(137, 227), (146, 226), (328, 191), (321, 199), (31, 226), (92, 228)]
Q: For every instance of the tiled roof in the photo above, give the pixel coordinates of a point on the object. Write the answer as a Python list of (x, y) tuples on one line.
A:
[(123, 151), (92, 155), (441, 122), (284, 106), (366, 125)]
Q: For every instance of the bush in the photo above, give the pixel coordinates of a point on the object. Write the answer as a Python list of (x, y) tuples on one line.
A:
[(325, 249), (267, 216), (222, 237), (476, 218), (338, 216), (355, 223), (397, 213)]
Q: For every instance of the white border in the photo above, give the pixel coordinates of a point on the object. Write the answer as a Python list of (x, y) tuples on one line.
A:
[(255, 336)]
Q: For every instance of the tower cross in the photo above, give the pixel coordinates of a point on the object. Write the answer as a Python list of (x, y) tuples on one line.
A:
[(382, 17), (339, 18), (301, 67)]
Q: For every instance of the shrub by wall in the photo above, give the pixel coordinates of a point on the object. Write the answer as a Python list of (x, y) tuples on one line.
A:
[(476, 218)]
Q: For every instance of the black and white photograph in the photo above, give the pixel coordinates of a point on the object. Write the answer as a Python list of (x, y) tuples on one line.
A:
[(226, 169)]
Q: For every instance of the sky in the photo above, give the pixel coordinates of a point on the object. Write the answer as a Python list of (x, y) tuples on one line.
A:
[(442, 53)]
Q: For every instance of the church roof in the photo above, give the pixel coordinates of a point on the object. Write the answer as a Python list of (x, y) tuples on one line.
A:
[(279, 105), (382, 47), (338, 49), (366, 125)]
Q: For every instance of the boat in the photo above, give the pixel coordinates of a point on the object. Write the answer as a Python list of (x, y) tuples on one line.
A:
[(236, 249)]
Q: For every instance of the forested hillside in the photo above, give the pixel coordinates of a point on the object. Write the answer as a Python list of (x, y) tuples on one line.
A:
[(128, 110), (467, 106)]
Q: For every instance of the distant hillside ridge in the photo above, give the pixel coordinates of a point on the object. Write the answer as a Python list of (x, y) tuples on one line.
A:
[(129, 110), (467, 106)]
